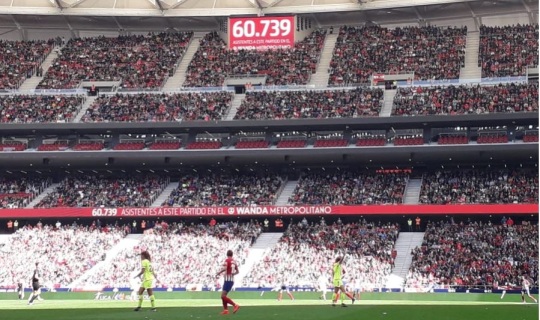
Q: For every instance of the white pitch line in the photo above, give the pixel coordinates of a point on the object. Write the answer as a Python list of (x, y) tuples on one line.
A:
[(193, 303)]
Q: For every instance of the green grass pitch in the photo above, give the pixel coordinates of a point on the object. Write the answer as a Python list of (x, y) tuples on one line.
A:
[(207, 306)]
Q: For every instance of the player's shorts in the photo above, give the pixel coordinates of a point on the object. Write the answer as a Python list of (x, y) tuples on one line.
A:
[(227, 286), (35, 286), (337, 283), (147, 284), (283, 287), (525, 290)]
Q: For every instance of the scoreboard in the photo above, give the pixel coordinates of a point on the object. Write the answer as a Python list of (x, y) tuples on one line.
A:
[(261, 33)]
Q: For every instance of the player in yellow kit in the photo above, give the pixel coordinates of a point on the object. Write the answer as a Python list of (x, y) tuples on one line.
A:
[(149, 275), (339, 288)]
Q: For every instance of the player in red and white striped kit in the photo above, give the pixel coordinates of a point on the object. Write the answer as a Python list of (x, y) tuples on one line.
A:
[(230, 268)]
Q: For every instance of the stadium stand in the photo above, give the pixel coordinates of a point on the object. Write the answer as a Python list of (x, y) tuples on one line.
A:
[(136, 61), (507, 51), (474, 254), (360, 102), (305, 251), (63, 254), (20, 60), (18, 192), (98, 191), (144, 107), (479, 186), (343, 187), (39, 108), (213, 62), (432, 53), (466, 99), (184, 255), (225, 190)]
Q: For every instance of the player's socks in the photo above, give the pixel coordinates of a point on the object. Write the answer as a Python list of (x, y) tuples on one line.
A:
[(503, 293), (34, 297), (224, 302), (229, 301), (342, 298), (153, 301), (140, 301)]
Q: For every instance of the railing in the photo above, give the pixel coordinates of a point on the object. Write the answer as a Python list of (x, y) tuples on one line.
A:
[(44, 92)]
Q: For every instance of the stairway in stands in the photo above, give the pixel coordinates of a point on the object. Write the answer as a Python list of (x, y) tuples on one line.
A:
[(286, 193), (471, 70), (82, 111), (412, 191), (42, 195), (264, 242), (176, 81), (405, 243), (32, 83), (164, 195), (386, 110), (320, 77), (130, 241), (237, 101)]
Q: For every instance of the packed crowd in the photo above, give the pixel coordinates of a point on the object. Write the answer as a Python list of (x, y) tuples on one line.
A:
[(20, 59), (159, 107), (213, 62), (479, 186), (466, 99), (137, 61), (182, 255), (432, 53), (225, 190), (38, 108), (101, 191), (307, 251), (508, 50), (360, 102), (64, 253), (17, 193), (475, 253), (345, 187)]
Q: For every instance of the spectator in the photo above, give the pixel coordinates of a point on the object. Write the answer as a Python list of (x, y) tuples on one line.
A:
[(348, 187), (137, 61), (33, 109), (17, 193), (360, 102), (466, 99), (213, 62), (100, 191), (475, 186), (474, 253), (225, 190), (63, 254), (183, 255), (159, 107), (507, 51), (431, 53), (303, 254), (19, 59)]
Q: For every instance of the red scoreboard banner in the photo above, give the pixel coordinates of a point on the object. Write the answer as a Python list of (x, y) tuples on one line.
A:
[(261, 33), (486, 209)]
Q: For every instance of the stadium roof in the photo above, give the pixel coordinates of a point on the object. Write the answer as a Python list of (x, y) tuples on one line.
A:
[(204, 14)]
